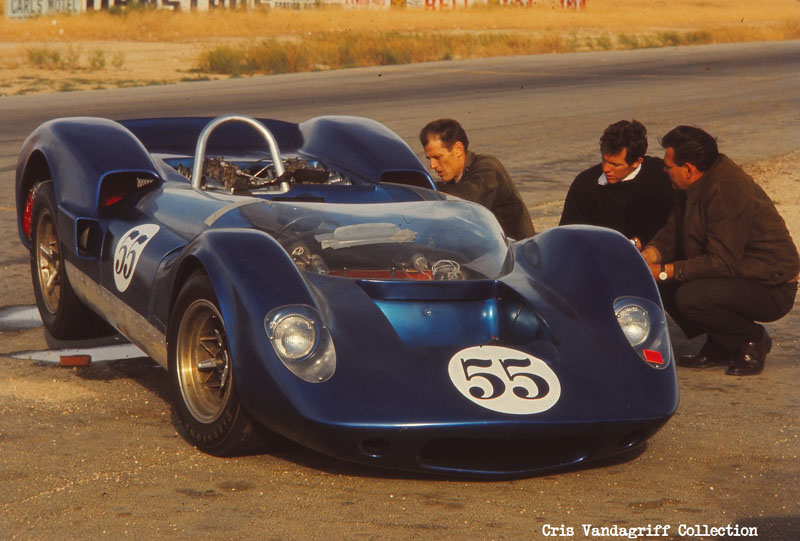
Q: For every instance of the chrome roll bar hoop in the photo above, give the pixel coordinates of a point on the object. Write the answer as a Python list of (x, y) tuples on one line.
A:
[(202, 141)]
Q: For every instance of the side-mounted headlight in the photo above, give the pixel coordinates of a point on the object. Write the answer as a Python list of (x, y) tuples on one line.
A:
[(302, 342), (635, 323), (293, 336), (644, 324)]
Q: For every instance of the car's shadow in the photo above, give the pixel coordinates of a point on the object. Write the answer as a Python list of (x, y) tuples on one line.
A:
[(144, 370), (152, 377)]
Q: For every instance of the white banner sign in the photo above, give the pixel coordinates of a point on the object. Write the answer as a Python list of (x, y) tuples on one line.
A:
[(20, 9)]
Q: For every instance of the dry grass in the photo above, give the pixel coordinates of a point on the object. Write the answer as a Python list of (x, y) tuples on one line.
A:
[(269, 41), (731, 18)]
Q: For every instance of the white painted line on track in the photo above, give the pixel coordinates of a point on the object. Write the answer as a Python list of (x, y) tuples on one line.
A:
[(100, 354), (19, 318)]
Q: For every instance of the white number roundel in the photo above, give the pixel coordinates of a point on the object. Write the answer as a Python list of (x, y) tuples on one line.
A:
[(505, 380), (129, 249)]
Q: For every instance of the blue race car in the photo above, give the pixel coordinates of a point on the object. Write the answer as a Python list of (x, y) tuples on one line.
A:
[(309, 278)]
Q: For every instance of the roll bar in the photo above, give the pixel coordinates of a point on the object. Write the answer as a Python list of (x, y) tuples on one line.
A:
[(202, 141)]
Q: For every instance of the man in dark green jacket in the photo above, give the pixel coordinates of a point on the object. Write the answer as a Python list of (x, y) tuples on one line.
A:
[(725, 258), (474, 177)]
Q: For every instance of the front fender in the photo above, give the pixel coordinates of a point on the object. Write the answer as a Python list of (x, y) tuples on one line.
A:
[(251, 274), (573, 275), (586, 266)]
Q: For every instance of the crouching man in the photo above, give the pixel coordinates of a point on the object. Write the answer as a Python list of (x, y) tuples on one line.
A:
[(724, 259)]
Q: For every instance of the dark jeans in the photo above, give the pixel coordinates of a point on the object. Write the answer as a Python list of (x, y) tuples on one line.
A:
[(726, 308)]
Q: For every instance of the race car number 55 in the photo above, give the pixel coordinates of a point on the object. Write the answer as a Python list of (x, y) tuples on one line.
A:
[(504, 380), (126, 255)]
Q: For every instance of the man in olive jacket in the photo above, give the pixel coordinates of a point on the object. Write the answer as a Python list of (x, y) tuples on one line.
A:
[(725, 258), (474, 177)]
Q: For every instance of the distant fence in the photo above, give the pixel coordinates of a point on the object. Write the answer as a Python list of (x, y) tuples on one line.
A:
[(20, 9)]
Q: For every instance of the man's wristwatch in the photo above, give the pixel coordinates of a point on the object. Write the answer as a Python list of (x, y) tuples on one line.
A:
[(662, 275)]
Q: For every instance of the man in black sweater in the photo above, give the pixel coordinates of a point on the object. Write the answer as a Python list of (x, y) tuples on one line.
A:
[(627, 191)]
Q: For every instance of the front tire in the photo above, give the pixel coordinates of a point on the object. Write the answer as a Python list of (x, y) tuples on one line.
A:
[(201, 373)]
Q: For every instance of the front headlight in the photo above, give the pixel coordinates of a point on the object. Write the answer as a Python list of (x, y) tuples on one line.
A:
[(302, 342), (294, 336), (634, 323), (644, 324)]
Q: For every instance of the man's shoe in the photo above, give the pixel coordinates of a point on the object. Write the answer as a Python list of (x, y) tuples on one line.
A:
[(710, 355), (751, 357)]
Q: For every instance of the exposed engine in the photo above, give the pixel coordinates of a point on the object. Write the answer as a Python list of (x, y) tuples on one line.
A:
[(239, 178)]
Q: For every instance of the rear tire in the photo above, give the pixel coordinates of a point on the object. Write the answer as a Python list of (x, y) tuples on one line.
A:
[(63, 314), (201, 373)]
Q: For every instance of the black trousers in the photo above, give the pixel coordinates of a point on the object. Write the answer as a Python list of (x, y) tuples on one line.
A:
[(726, 308)]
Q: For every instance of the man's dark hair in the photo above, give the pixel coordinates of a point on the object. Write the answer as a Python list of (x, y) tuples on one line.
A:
[(449, 131), (630, 135), (691, 145)]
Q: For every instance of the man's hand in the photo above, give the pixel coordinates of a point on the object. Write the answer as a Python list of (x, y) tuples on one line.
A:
[(651, 255)]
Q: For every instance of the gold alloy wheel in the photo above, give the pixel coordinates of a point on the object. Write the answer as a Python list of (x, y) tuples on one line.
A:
[(203, 362), (48, 261)]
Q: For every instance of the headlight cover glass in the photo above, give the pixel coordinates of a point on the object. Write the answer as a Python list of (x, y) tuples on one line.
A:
[(635, 323), (302, 342), (644, 324), (294, 336)]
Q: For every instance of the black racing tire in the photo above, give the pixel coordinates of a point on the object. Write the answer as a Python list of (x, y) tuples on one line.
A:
[(63, 314), (202, 376)]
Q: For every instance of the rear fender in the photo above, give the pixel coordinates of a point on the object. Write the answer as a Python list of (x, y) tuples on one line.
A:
[(363, 148), (80, 155)]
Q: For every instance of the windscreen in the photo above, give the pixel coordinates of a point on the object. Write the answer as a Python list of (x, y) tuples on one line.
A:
[(420, 240)]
